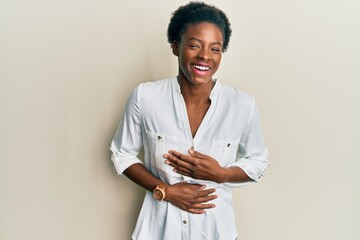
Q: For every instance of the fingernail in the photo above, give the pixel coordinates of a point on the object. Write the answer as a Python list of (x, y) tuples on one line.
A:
[(213, 206), (191, 151), (165, 155)]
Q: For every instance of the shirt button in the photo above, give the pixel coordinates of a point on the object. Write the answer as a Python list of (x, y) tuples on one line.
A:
[(159, 137), (184, 222), (228, 145)]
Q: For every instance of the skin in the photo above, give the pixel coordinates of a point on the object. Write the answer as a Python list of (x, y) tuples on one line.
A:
[(201, 44)]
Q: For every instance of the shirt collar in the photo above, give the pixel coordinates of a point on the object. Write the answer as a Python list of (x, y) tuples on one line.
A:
[(213, 94)]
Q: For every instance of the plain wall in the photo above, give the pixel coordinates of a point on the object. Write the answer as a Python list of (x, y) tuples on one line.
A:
[(68, 66)]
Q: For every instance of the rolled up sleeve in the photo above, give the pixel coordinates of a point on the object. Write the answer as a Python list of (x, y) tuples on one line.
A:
[(252, 155), (127, 141)]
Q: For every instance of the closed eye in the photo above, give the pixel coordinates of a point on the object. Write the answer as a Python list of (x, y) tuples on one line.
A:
[(216, 50), (193, 46)]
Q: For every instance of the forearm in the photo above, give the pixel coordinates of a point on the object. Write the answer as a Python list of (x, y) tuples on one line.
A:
[(193, 198), (141, 176), (234, 174)]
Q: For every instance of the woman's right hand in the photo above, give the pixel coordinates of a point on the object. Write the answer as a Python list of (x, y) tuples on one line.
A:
[(192, 198)]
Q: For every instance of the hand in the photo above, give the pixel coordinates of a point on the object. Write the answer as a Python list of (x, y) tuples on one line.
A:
[(192, 198), (196, 165)]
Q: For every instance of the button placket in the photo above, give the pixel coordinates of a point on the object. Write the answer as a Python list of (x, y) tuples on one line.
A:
[(185, 225)]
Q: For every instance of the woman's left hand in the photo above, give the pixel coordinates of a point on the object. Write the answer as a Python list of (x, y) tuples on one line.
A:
[(196, 165)]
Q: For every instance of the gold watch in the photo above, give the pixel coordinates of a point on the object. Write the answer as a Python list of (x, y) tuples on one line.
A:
[(159, 192)]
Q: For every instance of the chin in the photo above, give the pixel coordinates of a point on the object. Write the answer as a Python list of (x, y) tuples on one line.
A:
[(200, 81)]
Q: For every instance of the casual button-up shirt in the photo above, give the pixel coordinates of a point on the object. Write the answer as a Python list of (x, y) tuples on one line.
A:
[(156, 119)]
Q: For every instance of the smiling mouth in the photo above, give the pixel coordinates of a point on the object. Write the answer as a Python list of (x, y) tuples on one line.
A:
[(201, 68)]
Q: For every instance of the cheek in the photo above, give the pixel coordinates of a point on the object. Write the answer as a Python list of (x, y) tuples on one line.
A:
[(184, 63), (218, 59), (217, 62), (183, 67)]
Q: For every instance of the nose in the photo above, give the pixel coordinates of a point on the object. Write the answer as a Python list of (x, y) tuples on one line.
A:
[(204, 55)]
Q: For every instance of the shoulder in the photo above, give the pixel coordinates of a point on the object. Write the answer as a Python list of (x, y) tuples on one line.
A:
[(153, 92), (155, 86), (235, 96)]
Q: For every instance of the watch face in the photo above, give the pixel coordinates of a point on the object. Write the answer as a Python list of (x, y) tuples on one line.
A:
[(158, 194)]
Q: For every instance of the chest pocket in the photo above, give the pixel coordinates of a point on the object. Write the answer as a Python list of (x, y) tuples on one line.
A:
[(224, 151), (159, 144)]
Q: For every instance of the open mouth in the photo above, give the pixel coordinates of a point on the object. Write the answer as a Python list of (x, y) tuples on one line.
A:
[(201, 68)]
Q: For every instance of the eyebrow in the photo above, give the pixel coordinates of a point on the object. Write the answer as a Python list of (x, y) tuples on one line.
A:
[(196, 39)]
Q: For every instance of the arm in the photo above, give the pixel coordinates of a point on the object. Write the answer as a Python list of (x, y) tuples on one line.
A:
[(200, 166), (188, 197), (252, 155)]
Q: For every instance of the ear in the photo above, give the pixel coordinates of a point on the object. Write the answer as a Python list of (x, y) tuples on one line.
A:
[(175, 48)]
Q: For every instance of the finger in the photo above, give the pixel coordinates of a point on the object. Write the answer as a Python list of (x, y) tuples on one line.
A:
[(206, 192), (182, 157), (172, 161), (197, 187), (182, 170), (175, 153), (205, 199), (196, 211), (197, 154), (203, 206), (177, 163), (201, 190), (173, 158)]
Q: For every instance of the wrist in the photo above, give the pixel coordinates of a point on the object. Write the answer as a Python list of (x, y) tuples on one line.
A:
[(223, 175), (167, 193), (159, 191)]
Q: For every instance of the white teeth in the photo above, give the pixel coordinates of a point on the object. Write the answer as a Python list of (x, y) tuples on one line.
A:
[(202, 68)]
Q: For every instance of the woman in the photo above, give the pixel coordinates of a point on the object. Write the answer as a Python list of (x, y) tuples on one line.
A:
[(200, 137)]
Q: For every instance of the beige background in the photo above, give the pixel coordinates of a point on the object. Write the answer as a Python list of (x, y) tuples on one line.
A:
[(68, 66)]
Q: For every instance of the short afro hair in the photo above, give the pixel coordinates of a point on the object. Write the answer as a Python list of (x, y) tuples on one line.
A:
[(195, 13)]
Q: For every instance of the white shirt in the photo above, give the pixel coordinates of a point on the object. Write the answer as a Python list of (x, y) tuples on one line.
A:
[(156, 118)]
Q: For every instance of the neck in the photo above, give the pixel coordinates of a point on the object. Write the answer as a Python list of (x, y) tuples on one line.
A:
[(195, 94)]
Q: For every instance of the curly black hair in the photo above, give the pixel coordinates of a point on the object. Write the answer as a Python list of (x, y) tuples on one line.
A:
[(195, 13)]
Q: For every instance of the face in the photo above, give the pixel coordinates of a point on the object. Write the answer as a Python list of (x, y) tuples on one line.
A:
[(199, 53)]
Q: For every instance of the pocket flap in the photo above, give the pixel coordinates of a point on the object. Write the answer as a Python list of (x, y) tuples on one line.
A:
[(160, 137)]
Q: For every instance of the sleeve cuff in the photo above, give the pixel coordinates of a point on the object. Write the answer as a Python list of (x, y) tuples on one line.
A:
[(122, 163), (255, 169)]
